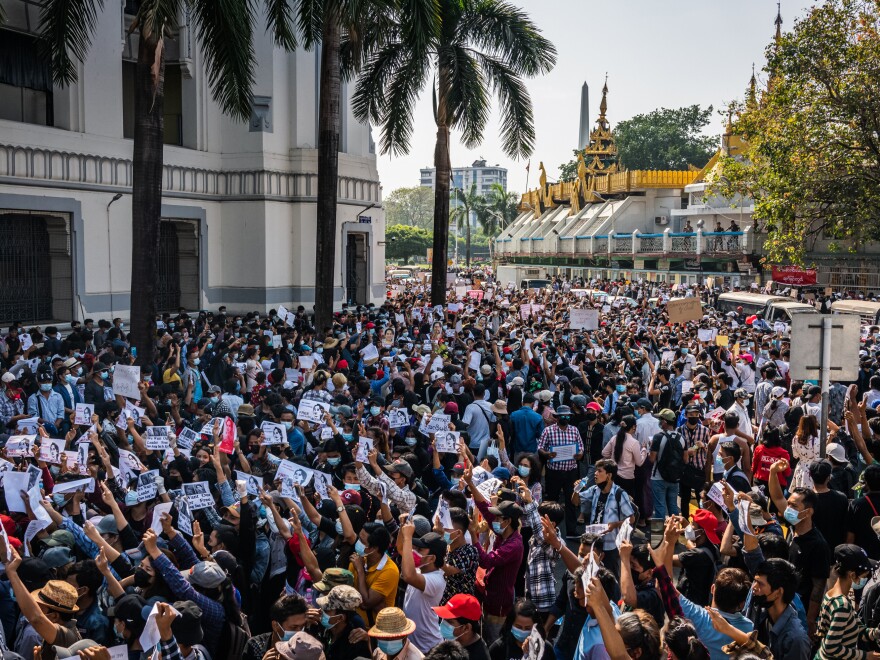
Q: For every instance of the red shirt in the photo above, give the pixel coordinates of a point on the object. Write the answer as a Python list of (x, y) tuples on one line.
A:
[(764, 457)]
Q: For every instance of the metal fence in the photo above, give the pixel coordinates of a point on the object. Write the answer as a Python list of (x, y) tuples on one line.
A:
[(25, 271)]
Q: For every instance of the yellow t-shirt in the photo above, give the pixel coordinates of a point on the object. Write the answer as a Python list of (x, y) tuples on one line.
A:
[(170, 376), (383, 578)]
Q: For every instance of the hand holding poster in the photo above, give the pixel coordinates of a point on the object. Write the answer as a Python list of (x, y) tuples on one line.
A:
[(20, 446), (51, 450), (254, 483), (198, 495), (397, 418), (682, 310), (157, 437), (187, 438), (273, 434), (365, 445), (438, 422), (446, 442), (312, 410), (125, 381), (83, 416), (228, 434), (146, 485)]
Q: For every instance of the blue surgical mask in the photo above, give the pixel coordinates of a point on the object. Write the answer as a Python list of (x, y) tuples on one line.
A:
[(447, 538), (334, 461), (70, 379), (45, 387), (496, 527), (289, 346), (360, 548), (131, 498), (621, 388), (287, 635), (197, 361), (860, 583), (339, 527), (391, 646), (104, 375), (375, 411), (792, 516), (523, 471), (348, 437), (685, 351), (319, 350), (58, 500), (325, 621), (209, 346), (447, 631), (215, 399), (520, 635), (411, 441), (354, 487), (288, 425)]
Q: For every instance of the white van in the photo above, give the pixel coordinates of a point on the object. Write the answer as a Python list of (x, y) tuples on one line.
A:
[(868, 311), (773, 308)]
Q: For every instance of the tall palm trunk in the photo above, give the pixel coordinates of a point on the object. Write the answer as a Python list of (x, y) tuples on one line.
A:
[(443, 167), (467, 240), (328, 170), (146, 198)]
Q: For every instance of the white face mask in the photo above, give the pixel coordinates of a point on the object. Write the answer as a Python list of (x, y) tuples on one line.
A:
[(689, 533)]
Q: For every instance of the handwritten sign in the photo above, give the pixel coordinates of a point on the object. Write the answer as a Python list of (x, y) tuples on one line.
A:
[(584, 319), (682, 310), (125, 381)]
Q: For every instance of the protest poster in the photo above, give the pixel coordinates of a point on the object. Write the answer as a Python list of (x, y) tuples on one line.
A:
[(273, 434), (26, 341), (370, 352), (365, 445), (20, 446), (51, 450), (321, 482), (125, 381), (707, 335), (312, 410), (14, 483), (29, 426), (397, 418), (722, 340), (254, 483), (198, 495), (228, 434), (441, 515), (584, 319), (187, 438), (489, 487), (157, 437), (474, 360), (184, 515), (83, 414), (682, 310), (130, 465), (146, 485), (446, 442), (158, 510), (299, 474), (72, 486), (438, 422), (5, 466)]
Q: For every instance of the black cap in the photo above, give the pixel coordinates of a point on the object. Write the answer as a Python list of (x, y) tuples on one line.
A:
[(814, 390), (850, 557), (128, 608), (507, 509), (433, 542), (187, 627)]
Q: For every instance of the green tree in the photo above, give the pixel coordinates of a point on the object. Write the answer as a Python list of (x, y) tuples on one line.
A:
[(405, 242), (812, 164), (569, 171), (499, 209), (410, 206), (225, 31), (472, 50), (466, 203)]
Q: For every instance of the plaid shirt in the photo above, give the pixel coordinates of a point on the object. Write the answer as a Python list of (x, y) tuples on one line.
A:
[(692, 437), (554, 436), (10, 408), (542, 558)]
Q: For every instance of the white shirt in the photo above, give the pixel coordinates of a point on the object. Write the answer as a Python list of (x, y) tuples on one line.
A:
[(647, 426), (417, 604), (745, 424)]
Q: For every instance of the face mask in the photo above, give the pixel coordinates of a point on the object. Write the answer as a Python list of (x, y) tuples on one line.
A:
[(621, 389), (760, 601), (523, 471), (355, 487), (334, 461), (374, 411), (288, 425), (689, 533), (792, 517), (860, 583), (141, 578), (591, 416), (447, 538), (319, 350), (338, 528), (287, 635), (496, 527), (348, 437), (197, 361), (520, 635), (215, 399), (411, 441), (325, 621), (58, 500), (209, 346), (79, 371), (131, 498), (685, 351), (70, 379), (447, 631), (562, 421), (692, 421), (45, 387), (391, 646), (360, 548), (289, 347)]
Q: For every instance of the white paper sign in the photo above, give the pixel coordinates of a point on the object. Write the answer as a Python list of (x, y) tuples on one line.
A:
[(474, 361), (28, 426), (312, 410), (584, 319), (564, 453), (13, 485), (489, 487), (125, 381), (72, 486), (254, 483), (370, 352), (187, 438), (397, 418), (118, 652), (442, 514), (707, 334), (198, 495), (157, 437), (26, 341), (146, 485), (297, 473), (365, 445), (184, 516), (158, 510), (150, 636), (83, 415), (716, 494), (130, 465), (20, 446), (446, 442), (438, 422), (273, 434), (51, 450)]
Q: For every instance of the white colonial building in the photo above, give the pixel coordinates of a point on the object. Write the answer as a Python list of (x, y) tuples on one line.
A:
[(238, 212)]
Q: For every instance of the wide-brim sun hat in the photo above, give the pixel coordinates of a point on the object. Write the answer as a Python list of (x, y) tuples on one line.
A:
[(391, 623)]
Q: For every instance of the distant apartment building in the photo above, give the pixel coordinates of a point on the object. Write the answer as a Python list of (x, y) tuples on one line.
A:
[(464, 177)]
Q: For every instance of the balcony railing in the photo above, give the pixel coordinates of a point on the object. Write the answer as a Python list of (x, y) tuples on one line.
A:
[(684, 243), (651, 243), (623, 243)]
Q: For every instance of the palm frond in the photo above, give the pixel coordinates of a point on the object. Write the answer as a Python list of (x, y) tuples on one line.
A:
[(421, 23), (310, 21), (367, 26), (280, 21), (517, 121), (226, 34), (468, 98), (66, 28), (505, 32), (399, 103), (155, 16)]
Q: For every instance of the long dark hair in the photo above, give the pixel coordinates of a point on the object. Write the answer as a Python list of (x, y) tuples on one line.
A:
[(682, 639), (625, 425)]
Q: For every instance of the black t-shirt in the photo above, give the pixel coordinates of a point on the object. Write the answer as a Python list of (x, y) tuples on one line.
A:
[(649, 600), (599, 512), (858, 522), (698, 573), (811, 556), (830, 517), (477, 650), (725, 399), (665, 395), (592, 439)]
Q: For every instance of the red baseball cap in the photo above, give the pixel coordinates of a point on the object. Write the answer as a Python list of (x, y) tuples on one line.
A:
[(707, 521), (342, 364), (380, 374), (370, 325), (592, 405), (451, 407), (460, 606), (350, 497)]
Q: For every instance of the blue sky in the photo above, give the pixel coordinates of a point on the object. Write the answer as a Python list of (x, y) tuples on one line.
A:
[(657, 53)]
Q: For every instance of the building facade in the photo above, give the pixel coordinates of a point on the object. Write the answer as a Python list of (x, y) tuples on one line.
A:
[(238, 212), (478, 173)]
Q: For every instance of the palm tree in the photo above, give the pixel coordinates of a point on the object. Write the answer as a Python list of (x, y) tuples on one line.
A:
[(226, 35), (499, 211), (467, 203), (475, 48)]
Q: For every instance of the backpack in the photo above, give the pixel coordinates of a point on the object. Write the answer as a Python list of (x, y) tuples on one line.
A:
[(233, 638), (670, 461)]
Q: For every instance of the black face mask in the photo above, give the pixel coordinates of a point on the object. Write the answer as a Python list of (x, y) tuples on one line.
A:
[(173, 483), (562, 421), (761, 601), (591, 416), (141, 578), (692, 421)]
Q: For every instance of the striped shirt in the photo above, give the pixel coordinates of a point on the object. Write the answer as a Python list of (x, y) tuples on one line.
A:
[(841, 630), (692, 437)]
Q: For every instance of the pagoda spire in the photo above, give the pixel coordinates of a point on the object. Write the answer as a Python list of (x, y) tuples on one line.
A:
[(778, 22), (603, 105), (751, 94)]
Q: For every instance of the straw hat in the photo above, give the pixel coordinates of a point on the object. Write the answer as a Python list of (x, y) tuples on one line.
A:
[(57, 595), (392, 623)]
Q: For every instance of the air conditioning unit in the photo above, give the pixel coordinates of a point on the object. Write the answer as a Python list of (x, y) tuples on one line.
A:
[(661, 219)]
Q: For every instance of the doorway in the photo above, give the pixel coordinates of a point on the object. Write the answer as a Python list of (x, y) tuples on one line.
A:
[(356, 269), (178, 284)]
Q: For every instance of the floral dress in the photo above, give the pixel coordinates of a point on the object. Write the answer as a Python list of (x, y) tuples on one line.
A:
[(804, 453)]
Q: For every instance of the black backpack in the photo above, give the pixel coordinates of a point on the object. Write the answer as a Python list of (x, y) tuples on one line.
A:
[(670, 459)]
